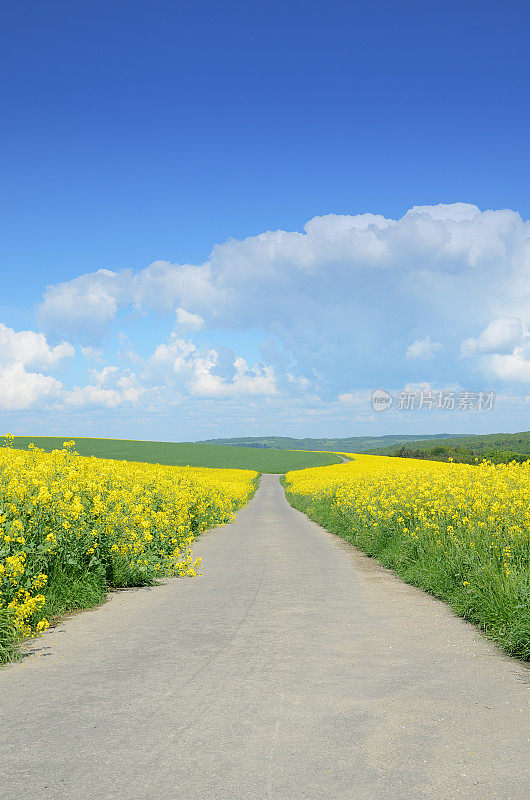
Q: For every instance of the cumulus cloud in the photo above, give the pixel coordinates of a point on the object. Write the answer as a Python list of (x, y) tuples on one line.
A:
[(423, 349), (338, 298), (502, 350), (175, 355), (257, 380), (511, 368), (20, 389), (22, 355), (432, 252), (109, 387), (187, 322), (199, 371), (500, 336), (454, 212), (86, 305), (83, 305), (31, 349), (90, 396)]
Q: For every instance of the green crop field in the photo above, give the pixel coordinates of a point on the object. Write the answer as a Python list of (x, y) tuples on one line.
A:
[(186, 453)]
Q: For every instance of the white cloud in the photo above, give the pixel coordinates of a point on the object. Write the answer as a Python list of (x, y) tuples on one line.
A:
[(339, 298), (109, 387), (423, 349), (279, 279), (92, 353), (173, 354), (21, 353), (20, 389), (31, 349), (181, 364), (84, 304), (512, 368), (255, 381), (335, 301), (330, 256), (187, 322), (90, 396), (454, 212), (502, 350), (500, 336)]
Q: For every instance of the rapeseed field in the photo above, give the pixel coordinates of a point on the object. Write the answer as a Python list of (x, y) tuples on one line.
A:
[(71, 527), (459, 531)]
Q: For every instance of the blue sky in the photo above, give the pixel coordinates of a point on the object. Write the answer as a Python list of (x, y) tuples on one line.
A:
[(190, 136)]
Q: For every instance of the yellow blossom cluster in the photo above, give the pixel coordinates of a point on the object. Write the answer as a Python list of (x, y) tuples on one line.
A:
[(63, 516), (461, 531)]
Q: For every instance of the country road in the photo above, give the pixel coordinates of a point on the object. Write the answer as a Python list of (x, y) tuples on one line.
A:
[(294, 668)]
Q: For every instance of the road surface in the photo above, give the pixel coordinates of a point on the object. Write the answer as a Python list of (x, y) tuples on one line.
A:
[(294, 668)]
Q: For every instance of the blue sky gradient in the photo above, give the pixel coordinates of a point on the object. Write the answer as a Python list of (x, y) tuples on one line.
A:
[(140, 132)]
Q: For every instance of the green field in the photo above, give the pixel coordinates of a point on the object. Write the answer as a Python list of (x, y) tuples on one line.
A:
[(185, 453)]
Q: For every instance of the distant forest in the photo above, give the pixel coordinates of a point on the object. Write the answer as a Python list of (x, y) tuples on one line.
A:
[(352, 444)]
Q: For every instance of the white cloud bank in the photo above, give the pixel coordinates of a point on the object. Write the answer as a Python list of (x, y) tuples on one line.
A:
[(345, 288), (336, 260), (339, 301)]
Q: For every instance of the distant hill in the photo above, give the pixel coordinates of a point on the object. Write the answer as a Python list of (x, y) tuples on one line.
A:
[(496, 447), (480, 445), (352, 444)]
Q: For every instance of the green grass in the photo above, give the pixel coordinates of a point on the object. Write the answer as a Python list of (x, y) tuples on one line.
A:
[(185, 453), (8, 640)]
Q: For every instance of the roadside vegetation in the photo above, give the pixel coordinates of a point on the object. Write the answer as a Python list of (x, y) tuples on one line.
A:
[(71, 528), (459, 531), (185, 453)]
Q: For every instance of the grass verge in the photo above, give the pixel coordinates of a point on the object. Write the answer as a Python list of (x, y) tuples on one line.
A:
[(9, 640)]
